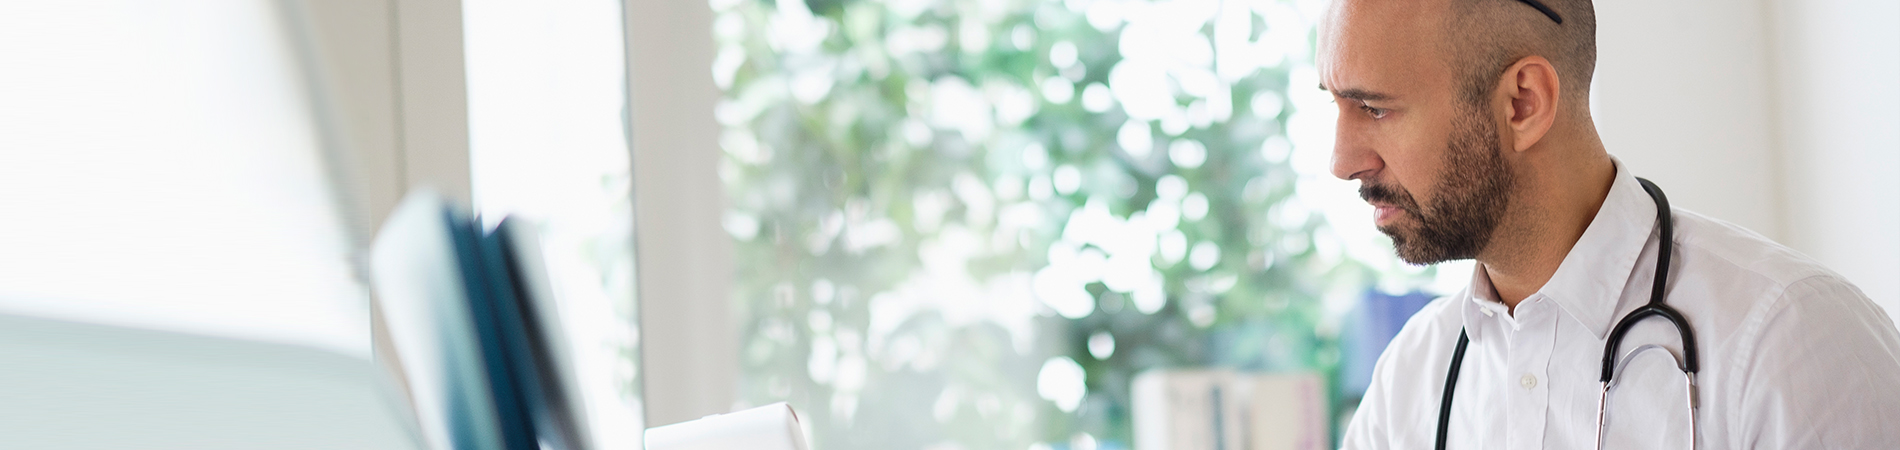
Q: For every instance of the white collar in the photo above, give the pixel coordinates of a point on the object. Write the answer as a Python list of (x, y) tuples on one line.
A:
[(1591, 279)]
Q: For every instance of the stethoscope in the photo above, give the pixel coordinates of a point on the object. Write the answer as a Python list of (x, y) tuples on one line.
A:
[(1656, 307)]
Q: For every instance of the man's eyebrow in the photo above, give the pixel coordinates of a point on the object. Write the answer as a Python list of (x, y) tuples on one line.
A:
[(1358, 94)]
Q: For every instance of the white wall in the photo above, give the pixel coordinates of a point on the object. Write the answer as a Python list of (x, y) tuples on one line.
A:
[(1682, 96), (1838, 76), (1777, 115)]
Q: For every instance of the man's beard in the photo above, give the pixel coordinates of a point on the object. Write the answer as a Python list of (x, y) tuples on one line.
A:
[(1473, 194)]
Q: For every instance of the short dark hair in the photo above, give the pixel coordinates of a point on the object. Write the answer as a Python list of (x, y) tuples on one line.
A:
[(1485, 37)]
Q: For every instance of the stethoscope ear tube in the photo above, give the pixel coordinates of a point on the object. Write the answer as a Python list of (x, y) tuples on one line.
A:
[(1666, 222), (1656, 306)]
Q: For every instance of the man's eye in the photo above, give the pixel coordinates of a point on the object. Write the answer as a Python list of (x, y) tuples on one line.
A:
[(1376, 113)]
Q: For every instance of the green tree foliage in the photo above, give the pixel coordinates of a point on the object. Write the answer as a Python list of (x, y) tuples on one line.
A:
[(938, 203)]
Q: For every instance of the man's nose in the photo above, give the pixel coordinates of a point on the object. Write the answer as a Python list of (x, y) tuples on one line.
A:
[(1353, 155)]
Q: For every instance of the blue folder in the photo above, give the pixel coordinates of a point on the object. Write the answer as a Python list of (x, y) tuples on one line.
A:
[(461, 306)]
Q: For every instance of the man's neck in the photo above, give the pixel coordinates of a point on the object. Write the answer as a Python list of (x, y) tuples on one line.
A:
[(1558, 198)]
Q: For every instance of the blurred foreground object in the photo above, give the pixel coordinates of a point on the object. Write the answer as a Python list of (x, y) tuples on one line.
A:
[(476, 331), (1226, 410), (178, 269), (71, 385), (161, 168), (769, 427)]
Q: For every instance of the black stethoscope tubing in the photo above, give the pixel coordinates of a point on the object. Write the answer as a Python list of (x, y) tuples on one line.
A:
[(1655, 307)]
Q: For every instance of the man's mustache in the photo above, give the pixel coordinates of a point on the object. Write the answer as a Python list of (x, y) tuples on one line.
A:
[(1378, 193), (1374, 193)]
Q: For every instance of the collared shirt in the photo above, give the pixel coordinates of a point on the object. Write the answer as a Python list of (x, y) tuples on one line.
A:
[(1792, 356)]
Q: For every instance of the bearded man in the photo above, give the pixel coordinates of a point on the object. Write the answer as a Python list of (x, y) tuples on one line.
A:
[(1598, 317)]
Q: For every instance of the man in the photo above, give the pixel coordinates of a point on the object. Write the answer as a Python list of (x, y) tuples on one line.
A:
[(1467, 124)]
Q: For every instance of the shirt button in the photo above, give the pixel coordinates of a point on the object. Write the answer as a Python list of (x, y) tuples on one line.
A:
[(1529, 381)]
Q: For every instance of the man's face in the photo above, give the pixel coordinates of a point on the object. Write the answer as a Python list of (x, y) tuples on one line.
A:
[(1429, 161)]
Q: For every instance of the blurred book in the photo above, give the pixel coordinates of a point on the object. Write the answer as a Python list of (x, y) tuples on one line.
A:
[(478, 341), (473, 327), (1227, 410), (769, 427)]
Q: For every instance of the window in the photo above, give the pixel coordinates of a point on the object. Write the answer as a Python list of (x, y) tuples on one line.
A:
[(969, 224)]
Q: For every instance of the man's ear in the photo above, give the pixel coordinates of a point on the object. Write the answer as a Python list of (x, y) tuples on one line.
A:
[(1531, 86)]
